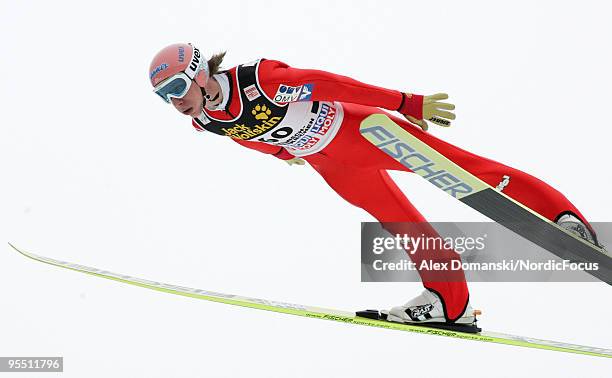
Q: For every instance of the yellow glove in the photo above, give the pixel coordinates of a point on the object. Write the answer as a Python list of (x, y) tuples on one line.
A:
[(432, 112), (296, 160)]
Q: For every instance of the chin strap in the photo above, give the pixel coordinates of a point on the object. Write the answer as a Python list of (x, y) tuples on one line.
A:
[(206, 98)]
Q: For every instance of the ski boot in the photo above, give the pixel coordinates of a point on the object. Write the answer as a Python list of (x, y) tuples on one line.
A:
[(426, 310), (572, 224)]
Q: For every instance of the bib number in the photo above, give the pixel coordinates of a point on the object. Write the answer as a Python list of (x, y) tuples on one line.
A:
[(278, 134)]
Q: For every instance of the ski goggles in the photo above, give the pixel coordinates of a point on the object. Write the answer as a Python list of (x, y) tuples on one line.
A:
[(175, 86)]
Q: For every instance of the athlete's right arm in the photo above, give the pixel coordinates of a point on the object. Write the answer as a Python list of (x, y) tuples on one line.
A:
[(276, 151)]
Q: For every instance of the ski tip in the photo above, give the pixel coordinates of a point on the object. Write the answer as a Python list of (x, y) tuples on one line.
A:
[(18, 250)]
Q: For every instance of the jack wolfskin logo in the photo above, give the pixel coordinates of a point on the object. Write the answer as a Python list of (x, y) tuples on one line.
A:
[(261, 112)]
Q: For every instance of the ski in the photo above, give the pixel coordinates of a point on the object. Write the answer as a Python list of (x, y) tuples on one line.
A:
[(322, 313), (434, 167)]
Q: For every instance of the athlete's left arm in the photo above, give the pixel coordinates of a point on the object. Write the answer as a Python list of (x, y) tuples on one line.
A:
[(325, 86), (276, 151), (317, 85)]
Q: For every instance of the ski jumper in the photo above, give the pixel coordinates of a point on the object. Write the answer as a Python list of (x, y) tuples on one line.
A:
[(289, 112)]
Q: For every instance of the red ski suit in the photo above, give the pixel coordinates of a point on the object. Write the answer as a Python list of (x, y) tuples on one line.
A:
[(356, 169)]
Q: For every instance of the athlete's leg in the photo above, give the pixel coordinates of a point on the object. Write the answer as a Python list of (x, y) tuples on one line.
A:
[(528, 190), (375, 192)]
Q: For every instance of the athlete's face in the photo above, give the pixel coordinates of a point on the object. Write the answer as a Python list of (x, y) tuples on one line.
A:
[(191, 104)]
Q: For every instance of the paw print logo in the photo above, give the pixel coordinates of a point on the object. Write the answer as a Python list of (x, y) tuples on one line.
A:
[(261, 112)]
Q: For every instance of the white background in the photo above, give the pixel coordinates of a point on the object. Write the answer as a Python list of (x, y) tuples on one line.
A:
[(97, 170)]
